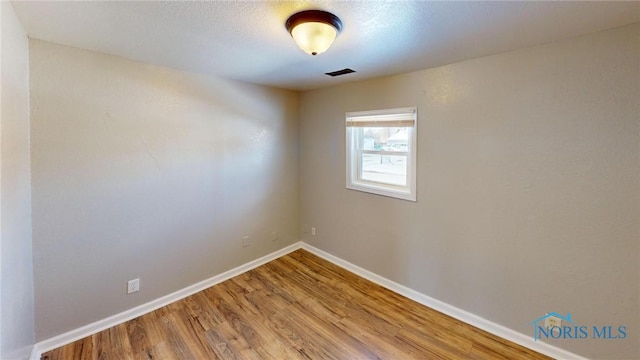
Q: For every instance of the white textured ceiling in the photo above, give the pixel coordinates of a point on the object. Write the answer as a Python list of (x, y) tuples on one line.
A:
[(247, 40)]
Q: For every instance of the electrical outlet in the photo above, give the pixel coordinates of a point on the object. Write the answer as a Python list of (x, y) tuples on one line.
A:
[(274, 236), (245, 241), (552, 321), (313, 231), (133, 286)]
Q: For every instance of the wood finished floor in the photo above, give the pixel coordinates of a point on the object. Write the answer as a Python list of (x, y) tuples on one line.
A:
[(296, 307)]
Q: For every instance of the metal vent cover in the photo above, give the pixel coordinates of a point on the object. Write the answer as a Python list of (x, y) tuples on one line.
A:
[(340, 72)]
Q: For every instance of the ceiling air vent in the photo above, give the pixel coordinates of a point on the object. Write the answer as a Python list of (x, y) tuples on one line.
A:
[(340, 72)]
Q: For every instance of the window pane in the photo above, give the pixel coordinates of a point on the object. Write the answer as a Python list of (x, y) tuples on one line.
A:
[(386, 138), (388, 169)]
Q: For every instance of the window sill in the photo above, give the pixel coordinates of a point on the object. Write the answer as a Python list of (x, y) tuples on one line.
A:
[(384, 191)]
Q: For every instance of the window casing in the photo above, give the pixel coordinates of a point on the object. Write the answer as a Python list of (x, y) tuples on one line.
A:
[(381, 152)]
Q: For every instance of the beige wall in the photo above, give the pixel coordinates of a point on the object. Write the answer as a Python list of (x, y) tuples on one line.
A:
[(16, 272), (143, 171), (528, 185)]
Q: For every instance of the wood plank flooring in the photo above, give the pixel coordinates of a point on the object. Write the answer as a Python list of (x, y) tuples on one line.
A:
[(296, 307)]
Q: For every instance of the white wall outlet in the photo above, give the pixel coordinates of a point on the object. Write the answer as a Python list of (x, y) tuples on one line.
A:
[(313, 231), (552, 321), (133, 286), (245, 241), (274, 236)]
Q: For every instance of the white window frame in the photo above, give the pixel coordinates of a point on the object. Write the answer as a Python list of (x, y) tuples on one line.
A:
[(399, 117)]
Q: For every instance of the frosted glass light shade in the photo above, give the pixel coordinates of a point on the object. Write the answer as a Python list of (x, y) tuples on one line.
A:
[(314, 37), (313, 30)]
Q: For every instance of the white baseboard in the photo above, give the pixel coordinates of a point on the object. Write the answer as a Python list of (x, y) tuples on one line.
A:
[(90, 329), (462, 315), (456, 313)]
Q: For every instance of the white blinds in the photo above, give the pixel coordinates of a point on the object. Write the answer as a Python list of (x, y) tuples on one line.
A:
[(402, 117)]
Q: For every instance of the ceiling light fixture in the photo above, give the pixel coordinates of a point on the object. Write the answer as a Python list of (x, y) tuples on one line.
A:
[(314, 30)]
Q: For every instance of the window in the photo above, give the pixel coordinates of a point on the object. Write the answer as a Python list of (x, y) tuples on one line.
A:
[(381, 152)]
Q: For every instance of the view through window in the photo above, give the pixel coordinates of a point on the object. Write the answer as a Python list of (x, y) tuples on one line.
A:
[(384, 155)]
